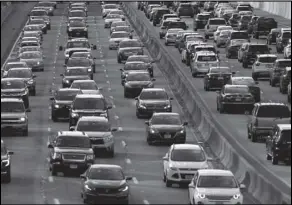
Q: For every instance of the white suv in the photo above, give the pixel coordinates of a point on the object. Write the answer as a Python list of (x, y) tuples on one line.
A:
[(202, 61)]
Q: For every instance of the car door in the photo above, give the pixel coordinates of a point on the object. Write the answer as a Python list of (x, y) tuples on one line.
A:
[(192, 187), (166, 161)]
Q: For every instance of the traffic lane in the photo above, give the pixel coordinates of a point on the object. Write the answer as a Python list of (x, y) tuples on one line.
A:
[(28, 168), (237, 121), (10, 29)]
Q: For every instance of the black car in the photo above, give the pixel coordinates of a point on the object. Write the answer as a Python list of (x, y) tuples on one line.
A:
[(252, 85), (15, 88), (157, 15), (88, 105), (243, 22), (74, 74), (61, 102), (135, 81), (271, 38), (185, 9), (77, 29), (81, 63), (105, 183), (143, 58), (251, 24), (128, 48), (263, 26), (278, 144), (234, 96), (233, 46), (5, 163), (200, 21), (165, 127), (152, 100), (250, 52), (70, 152), (217, 77)]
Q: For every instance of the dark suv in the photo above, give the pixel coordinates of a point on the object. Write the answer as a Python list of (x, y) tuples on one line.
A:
[(88, 105), (282, 39), (77, 29), (200, 21), (5, 163), (185, 9), (251, 50), (157, 16), (278, 144), (70, 151), (263, 26)]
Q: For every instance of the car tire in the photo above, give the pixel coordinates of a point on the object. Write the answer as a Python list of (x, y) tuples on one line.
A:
[(164, 177), (53, 171), (268, 157), (244, 64), (254, 137), (168, 183), (273, 84), (7, 177), (33, 92), (119, 60), (111, 153), (274, 159), (25, 132)]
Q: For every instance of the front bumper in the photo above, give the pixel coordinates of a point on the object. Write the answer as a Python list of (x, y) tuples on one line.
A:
[(110, 198), (18, 126), (62, 112), (214, 201), (180, 176), (61, 166)]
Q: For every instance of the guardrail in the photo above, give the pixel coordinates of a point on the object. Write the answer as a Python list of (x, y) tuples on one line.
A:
[(260, 183), (6, 10)]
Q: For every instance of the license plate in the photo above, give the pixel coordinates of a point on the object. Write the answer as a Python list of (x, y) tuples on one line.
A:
[(73, 166), (167, 136), (220, 78), (269, 66), (188, 176), (238, 99), (77, 33)]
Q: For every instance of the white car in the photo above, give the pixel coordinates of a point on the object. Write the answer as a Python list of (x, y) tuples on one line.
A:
[(76, 44), (106, 8), (263, 65), (215, 186), (171, 34), (182, 161), (202, 61), (116, 38), (190, 48), (117, 23), (241, 50), (219, 29), (245, 13), (111, 18), (212, 25), (119, 12), (86, 86), (287, 50), (222, 38)]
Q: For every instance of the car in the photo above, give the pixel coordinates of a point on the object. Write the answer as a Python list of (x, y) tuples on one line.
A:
[(250, 82), (157, 15), (165, 127), (132, 66), (278, 144), (135, 81), (278, 68), (212, 25), (36, 34), (117, 23), (120, 12), (128, 48), (222, 38), (189, 37), (88, 105), (166, 16), (74, 73), (69, 152), (250, 26), (289, 92), (285, 79), (181, 163), (282, 39), (107, 8), (218, 31), (86, 86), (145, 59), (81, 63), (45, 18), (245, 13), (108, 181), (152, 100), (232, 47), (37, 13), (116, 37), (243, 22), (200, 21), (30, 48), (205, 181), (235, 96), (39, 22), (34, 28), (87, 55), (217, 77), (185, 9), (170, 35), (124, 29), (49, 9), (150, 13), (191, 48), (271, 38), (263, 26), (287, 50), (263, 118), (227, 14), (76, 13), (75, 20), (25, 74), (164, 25), (34, 60), (250, 51), (239, 35), (13, 64), (5, 163), (30, 42), (99, 131), (84, 9), (15, 88), (13, 115), (262, 66), (111, 18), (77, 29), (180, 35), (234, 20), (202, 61), (61, 103)]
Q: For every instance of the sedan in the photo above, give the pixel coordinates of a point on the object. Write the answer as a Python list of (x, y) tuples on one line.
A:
[(116, 37), (117, 23), (132, 66), (86, 55), (111, 18), (33, 59), (81, 62), (86, 86), (105, 182), (39, 22), (119, 12), (76, 73), (143, 58), (217, 77), (13, 64)]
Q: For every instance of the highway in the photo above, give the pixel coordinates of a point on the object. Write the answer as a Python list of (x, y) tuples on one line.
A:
[(32, 182), (235, 123)]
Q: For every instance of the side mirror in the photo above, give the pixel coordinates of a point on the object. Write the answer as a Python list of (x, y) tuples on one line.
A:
[(62, 75), (64, 65), (34, 76), (256, 82), (60, 48), (171, 98), (82, 176), (10, 153), (136, 98), (28, 110), (94, 47), (242, 186), (52, 98), (153, 79), (109, 107), (185, 123), (147, 123), (128, 178), (165, 158), (50, 146), (72, 128), (121, 69), (114, 129)]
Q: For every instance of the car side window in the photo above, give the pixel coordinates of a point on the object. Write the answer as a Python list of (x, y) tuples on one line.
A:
[(254, 111), (195, 179), (275, 133)]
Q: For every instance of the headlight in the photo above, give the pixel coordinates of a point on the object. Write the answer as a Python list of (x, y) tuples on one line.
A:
[(167, 107), (38, 63), (5, 162), (201, 196), (74, 114), (142, 106), (57, 155), (56, 106), (152, 131), (127, 85), (90, 157), (89, 70), (87, 187), (108, 138), (30, 82), (22, 119), (236, 196), (182, 131), (173, 168), (125, 188)]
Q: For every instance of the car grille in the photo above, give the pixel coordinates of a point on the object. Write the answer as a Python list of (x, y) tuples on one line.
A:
[(74, 156), (162, 134), (77, 30), (89, 114), (96, 141), (155, 106), (105, 191), (222, 197), (183, 176)]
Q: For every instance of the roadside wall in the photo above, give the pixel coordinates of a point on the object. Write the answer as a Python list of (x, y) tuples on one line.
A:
[(278, 8), (6, 10)]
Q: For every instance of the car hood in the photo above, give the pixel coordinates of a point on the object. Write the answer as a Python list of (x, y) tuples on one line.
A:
[(117, 39), (63, 102), (139, 83), (79, 77), (12, 91), (78, 49), (106, 183), (155, 102), (167, 128), (98, 134), (219, 191), (270, 122), (8, 115), (74, 150), (189, 165), (91, 92)]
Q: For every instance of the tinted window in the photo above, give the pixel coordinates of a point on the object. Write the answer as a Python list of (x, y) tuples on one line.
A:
[(121, 23), (72, 62), (113, 16), (78, 44), (128, 44), (119, 35), (287, 35), (19, 74), (89, 103), (203, 17), (221, 70), (267, 59), (243, 90), (38, 13), (217, 22), (80, 55), (206, 58), (153, 95), (106, 174), (178, 24), (246, 18), (12, 84), (93, 126), (286, 136), (217, 182), (77, 14), (139, 58), (188, 155), (166, 120), (84, 85), (243, 8), (284, 64), (74, 72), (274, 111), (139, 77), (66, 95), (68, 141), (239, 35), (135, 66), (12, 107), (259, 48), (77, 24)]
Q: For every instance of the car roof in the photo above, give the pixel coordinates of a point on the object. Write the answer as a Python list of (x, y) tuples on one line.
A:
[(68, 89), (105, 166), (270, 103), (205, 53), (187, 146), (84, 81), (165, 114), (72, 134), (284, 126), (236, 86), (24, 68), (93, 118), (14, 62), (266, 55), (11, 100), (214, 172), (9, 79), (153, 89), (99, 96)]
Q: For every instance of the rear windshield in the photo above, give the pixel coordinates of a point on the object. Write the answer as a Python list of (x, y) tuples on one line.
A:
[(178, 24), (217, 22), (259, 48), (203, 17), (207, 58), (231, 90), (66, 95), (286, 136), (274, 111), (243, 8), (239, 35), (267, 59), (284, 64)]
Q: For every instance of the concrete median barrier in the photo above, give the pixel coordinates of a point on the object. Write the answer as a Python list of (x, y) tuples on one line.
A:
[(5, 12), (261, 184)]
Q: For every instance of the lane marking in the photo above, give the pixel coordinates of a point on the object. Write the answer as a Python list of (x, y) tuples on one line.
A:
[(109, 89), (135, 180), (111, 97), (124, 144), (128, 161), (146, 202), (49, 129), (51, 179), (120, 129), (56, 201), (116, 117)]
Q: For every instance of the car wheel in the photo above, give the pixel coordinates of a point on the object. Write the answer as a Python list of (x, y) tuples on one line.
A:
[(33, 92), (268, 157), (273, 84), (53, 171), (168, 183), (254, 137), (111, 153), (274, 159), (25, 132), (7, 177)]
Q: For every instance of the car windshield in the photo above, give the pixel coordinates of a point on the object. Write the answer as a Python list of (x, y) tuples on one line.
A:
[(119, 23), (122, 28), (243, 8), (12, 107), (207, 58), (135, 66), (139, 58), (31, 28), (77, 14), (70, 141), (153, 95), (84, 85), (110, 6), (78, 44), (274, 111), (120, 35), (30, 55), (286, 136), (12, 84), (232, 90), (259, 49), (217, 22), (38, 13), (37, 21), (217, 182), (267, 59), (188, 155), (117, 12), (74, 72), (129, 44), (204, 49), (139, 77), (102, 173), (203, 17), (220, 70), (246, 18), (93, 126), (239, 35), (243, 81), (80, 55), (19, 73), (77, 24), (89, 104), (113, 16), (80, 62), (25, 49), (166, 120), (177, 24), (66, 95), (287, 35), (284, 63)]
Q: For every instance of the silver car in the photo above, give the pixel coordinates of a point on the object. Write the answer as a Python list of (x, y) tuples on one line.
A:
[(33, 59)]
